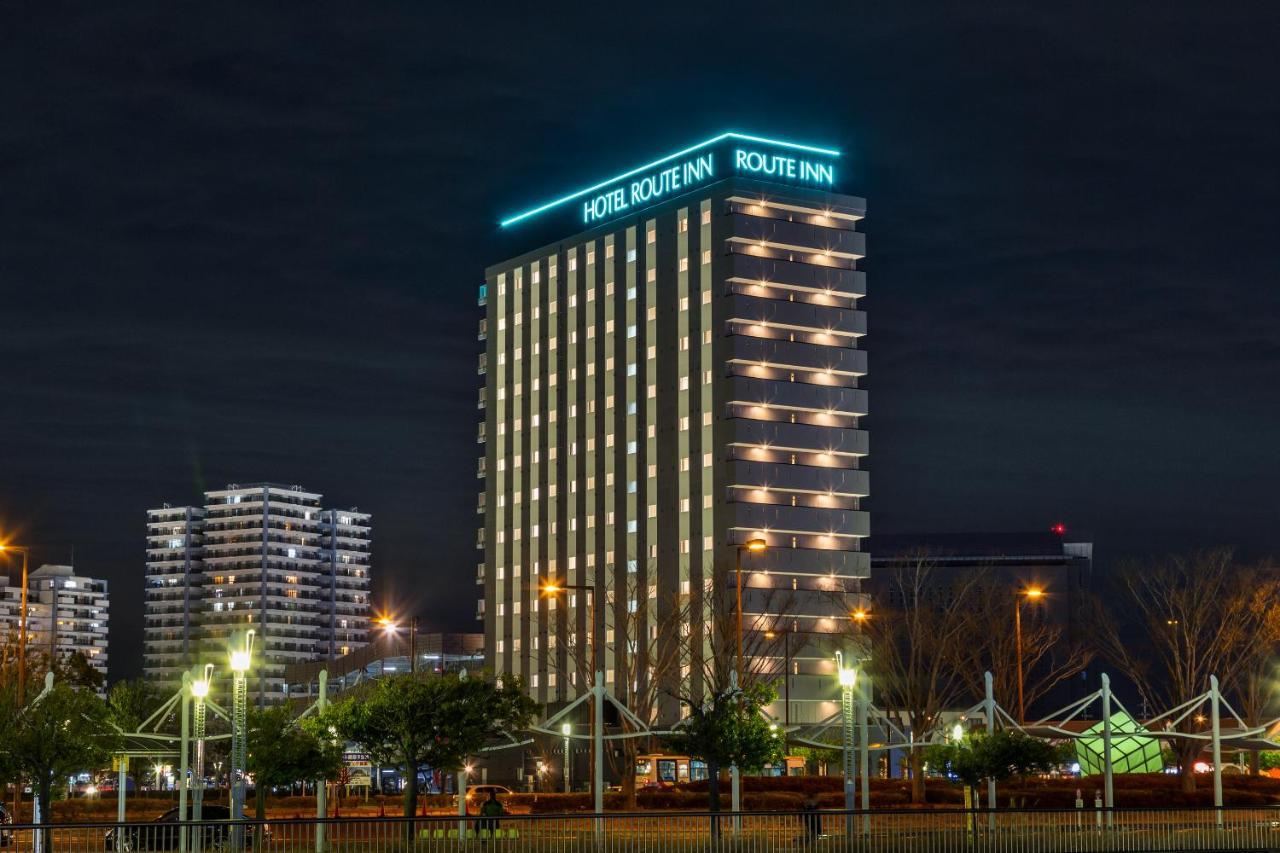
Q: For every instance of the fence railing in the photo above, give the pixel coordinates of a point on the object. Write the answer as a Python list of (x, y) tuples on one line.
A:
[(897, 831)]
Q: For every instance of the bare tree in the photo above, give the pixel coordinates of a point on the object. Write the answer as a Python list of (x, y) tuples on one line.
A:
[(916, 638), (1195, 616), (991, 645), (1258, 691)]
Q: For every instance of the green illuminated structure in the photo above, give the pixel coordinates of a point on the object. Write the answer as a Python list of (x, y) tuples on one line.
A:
[(1128, 754)]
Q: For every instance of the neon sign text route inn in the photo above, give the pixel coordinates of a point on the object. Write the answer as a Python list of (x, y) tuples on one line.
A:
[(720, 156)]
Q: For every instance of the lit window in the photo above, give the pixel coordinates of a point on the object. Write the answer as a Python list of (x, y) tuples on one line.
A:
[(631, 331), (684, 265), (631, 293), (706, 256), (631, 256), (706, 217)]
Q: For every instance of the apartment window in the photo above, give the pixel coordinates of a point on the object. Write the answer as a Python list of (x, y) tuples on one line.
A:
[(706, 460), (631, 293), (573, 262), (631, 407), (706, 217), (651, 236), (591, 256), (631, 370), (631, 256), (706, 256), (631, 331), (684, 223), (631, 486), (631, 448), (631, 526), (684, 265), (651, 276), (608, 250)]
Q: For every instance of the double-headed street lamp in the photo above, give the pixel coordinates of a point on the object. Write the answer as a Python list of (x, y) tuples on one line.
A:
[(22, 623), (755, 546), (1031, 594)]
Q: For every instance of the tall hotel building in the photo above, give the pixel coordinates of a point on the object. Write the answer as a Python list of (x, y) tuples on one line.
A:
[(261, 556), (670, 374)]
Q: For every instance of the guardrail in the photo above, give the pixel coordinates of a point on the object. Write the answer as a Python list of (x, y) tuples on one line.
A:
[(887, 831)]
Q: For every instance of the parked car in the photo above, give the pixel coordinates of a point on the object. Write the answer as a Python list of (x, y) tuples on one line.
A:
[(480, 793), (6, 827), (162, 833)]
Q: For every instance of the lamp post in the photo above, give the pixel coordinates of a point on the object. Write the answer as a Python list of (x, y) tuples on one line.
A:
[(848, 681), (597, 689), (1031, 593), (390, 627), (240, 661), (566, 729), (755, 546), (200, 692), (22, 623)]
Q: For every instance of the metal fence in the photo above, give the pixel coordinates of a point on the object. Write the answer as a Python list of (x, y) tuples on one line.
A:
[(935, 831)]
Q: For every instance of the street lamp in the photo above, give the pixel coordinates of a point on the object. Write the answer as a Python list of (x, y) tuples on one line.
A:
[(848, 678), (597, 699), (755, 546), (200, 691), (566, 729), (240, 660), (22, 623), (1032, 594), (390, 627)]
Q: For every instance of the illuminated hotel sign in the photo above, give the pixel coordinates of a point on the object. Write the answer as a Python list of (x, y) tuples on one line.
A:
[(719, 157)]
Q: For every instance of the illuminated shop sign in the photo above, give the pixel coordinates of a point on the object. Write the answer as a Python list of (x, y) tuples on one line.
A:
[(718, 157)]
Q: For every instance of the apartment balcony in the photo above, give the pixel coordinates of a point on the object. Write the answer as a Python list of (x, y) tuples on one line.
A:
[(800, 237), (839, 526), (796, 396), (749, 269), (772, 358), (787, 437), (799, 478), (825, 565), (772, 318)]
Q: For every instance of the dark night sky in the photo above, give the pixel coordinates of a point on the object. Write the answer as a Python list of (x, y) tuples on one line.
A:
[(243, 243)]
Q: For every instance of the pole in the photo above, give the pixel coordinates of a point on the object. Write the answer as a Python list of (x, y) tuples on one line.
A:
[(1017, 629), (597, 746), (322, 805), (184, 753), (864, 752), (413, 647), (989, 705), (786, 688), (735, 796), (1108, 787), (1216, 721), (462, 805), (566, 762), (738, 578), (846, 710), (239, 722), (22, 642), (197, 774)]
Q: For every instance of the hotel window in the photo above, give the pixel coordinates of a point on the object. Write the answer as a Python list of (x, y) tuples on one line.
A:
[(651, 236), (651, 275), (684, 504), (631, 331), (684, 464), (631, 293), (537, 275), (631, 256), (608, 250), (653, 391), (706, 256), (631, 486), (631, 370), (573, 263), (706, 501), (684, 265), (573, 302), (684, 341), (706, 217), (684, 423), (631, 448), (708, 542), (684, 383), (684, 223), (591, 256), (652, 353), (706, 300), (631, 526), (706, 460), (631, 407)]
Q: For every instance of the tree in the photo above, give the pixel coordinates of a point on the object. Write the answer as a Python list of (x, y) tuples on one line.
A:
[(728, 729), (1258, 689), (917, 641), (1195, 615), (406, 722), (68, 731), (998, 757), (1047, 659), (280, 752)]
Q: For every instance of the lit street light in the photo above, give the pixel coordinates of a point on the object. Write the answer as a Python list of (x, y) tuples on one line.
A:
[(240, 661), (22, 623), (848, 677), (566, 729), (390, 628), (1032, 594), (200, 692), (597, 700), (755, 546)]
